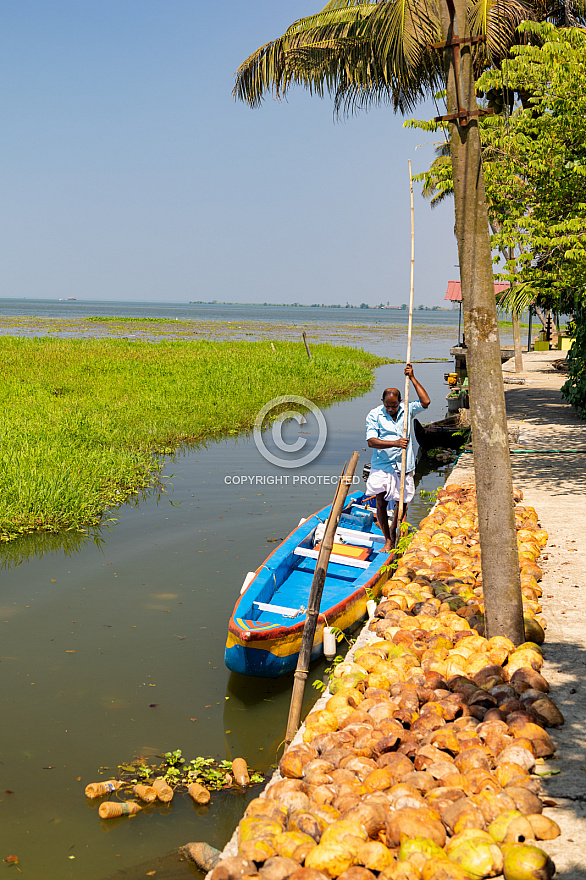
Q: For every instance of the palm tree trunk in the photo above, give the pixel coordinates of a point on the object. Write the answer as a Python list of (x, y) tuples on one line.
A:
[(517, 344), (494, 486)]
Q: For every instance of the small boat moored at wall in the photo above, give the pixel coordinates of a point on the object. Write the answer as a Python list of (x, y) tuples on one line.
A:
[(266, 626), (450, 433)]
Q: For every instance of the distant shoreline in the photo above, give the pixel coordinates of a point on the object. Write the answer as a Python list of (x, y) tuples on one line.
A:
[(201, 302), (297, 305)]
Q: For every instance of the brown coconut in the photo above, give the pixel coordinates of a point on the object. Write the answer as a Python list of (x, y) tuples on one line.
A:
[(525, 801), (293, 845), (330, 859), (325, 811), (233, 868), (542, 743), (462, 814), (480, 780), (440, 869), (547, 712), (278, 868), (492, 803), (266, 807), (307, 823), (308, 874), (421, 780), (395, 763), (411, 822), (472, 759), (335, 755), (294, 760), (400, 871), (543, 827), (371, 815), (357, 872), (375, 856), (517, 755), (525, 678), (257, 850), (441, 770)]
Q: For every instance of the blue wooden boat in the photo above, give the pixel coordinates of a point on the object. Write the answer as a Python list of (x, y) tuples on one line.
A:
[(266, 626)]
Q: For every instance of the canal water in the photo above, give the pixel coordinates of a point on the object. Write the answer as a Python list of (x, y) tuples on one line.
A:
[(112, 644)]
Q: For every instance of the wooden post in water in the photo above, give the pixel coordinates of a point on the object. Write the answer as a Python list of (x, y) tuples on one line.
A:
[(317, 586), (401, 501)]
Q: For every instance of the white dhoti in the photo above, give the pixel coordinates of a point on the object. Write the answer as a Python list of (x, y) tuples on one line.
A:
[(390, 483)]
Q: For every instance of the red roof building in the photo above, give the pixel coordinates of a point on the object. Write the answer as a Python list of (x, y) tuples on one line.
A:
[(454, 292)]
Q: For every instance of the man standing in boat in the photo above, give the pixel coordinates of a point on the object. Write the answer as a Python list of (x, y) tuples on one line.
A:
[(384, 434)]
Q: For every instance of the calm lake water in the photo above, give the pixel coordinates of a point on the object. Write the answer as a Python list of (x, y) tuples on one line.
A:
[(214, 311), (112, 645)]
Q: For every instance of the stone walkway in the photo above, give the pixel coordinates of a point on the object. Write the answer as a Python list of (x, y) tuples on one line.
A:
[(548, 462)]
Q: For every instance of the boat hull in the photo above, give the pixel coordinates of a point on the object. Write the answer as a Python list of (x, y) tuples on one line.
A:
[(438, 435), (276, 653), (267, 650)]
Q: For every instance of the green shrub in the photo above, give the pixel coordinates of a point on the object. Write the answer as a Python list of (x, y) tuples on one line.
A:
[(574, 390)]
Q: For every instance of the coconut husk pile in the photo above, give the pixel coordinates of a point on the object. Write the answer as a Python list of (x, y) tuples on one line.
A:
[(420, 765)]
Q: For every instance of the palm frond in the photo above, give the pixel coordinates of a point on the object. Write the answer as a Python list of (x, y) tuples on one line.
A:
[(401, 33), (499, 20), (360, 53), (517, 298), (308, 53), (567, 13), (364, 53), (343, 4)]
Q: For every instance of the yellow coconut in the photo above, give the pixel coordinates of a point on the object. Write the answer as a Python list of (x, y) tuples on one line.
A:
[(525, 862)]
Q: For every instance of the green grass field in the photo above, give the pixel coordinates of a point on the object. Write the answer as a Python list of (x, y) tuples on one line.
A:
[(82, 420), (508, 325)]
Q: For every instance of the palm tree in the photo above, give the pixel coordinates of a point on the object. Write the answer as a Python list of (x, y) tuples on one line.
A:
[(437, 187), (388, 51), (381, 52)]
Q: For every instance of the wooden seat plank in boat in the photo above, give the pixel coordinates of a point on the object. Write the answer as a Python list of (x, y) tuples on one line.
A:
[(334, 558), (353, 551)]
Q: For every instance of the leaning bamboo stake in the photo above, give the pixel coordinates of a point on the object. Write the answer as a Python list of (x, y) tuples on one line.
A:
[(406, 396), (306, 345), (317, 586)]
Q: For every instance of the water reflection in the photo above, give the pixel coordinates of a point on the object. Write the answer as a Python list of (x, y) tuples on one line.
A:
[(39, 544)]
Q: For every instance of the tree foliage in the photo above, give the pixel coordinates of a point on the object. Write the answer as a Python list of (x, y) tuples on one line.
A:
[(535, 165), (381, 52), (534, 161)]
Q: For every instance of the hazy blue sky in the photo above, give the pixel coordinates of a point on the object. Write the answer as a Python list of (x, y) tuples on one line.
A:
[(130, 173)]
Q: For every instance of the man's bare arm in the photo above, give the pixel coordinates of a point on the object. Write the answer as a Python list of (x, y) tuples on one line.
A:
[(421, 392), (375, 443)]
